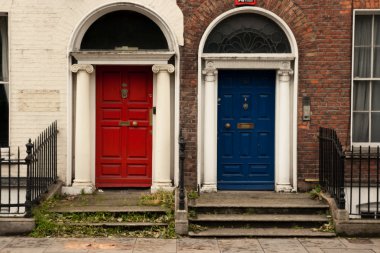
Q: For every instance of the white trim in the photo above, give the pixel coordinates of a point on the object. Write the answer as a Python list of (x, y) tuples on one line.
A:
[(123, 58), (95, 14), (247, 61), (369, 12), (366, 12), (251, 61)]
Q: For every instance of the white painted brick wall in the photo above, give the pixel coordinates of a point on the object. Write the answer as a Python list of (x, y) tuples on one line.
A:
[(40, 32)]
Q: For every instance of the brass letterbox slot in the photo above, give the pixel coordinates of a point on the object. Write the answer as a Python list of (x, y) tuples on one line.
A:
[(124, 123), (245, 125)]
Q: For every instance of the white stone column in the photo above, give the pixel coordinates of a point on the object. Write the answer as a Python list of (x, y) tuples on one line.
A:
[(210, 130), (161, 176), (82, 181), (283, 183)]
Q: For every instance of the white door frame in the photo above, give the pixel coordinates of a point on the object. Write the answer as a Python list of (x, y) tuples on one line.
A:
[(286, 66), (174, 39)]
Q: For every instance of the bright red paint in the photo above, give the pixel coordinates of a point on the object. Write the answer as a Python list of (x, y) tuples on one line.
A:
[(245, 2), (123, 153)]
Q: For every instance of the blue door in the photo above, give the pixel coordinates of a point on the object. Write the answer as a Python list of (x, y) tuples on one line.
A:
[(246, 115)]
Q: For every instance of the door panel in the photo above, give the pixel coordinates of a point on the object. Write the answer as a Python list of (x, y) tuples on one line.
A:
[(138, 93), (246, 130), (137, 142), (123, 127), (111, 137)]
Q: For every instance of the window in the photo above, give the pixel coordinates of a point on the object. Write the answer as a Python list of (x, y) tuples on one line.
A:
[(124, 29), (4, 86), (247, 33), (366, 79)]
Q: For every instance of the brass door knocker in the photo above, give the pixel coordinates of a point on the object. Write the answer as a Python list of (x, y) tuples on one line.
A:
[(245, 105), (124, 91)]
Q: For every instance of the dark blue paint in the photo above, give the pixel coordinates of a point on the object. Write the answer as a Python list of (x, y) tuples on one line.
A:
[(246, 156)]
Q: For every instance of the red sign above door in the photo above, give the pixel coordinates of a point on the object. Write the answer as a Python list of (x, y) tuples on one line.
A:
[(245, 2)]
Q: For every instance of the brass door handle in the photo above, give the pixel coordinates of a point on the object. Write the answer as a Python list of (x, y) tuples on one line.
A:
[(135, 123), (227, 125), (150, 117)]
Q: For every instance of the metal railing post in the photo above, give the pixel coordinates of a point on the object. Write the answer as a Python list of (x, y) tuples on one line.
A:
[(28, 160), (181, 172), (342, 195), (332, 165)]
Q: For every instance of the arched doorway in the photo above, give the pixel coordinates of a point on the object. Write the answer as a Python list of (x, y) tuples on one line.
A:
[(248, 61), (123, 57)]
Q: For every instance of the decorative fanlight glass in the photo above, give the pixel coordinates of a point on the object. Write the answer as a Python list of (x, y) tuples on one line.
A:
[(247, 33)]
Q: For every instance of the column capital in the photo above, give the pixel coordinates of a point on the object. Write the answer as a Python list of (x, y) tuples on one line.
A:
[(210, 72), (86, 67), (285, 75), (163, 67), (210, 69), (285, 72)]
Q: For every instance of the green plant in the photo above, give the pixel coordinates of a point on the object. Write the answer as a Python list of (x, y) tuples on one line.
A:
[(192, 194), (192, 214), (161, 197), (44, 222), (316, 193), (55, 224), (327, 227), (196, 228)]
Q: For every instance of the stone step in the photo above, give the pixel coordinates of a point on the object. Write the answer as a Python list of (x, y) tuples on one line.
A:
[(253, 195), (260, 218), (117, 224), (109, 209), (260, 204), (258, 209), (260, 232)]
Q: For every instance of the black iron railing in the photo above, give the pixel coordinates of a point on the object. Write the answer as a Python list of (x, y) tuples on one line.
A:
[(364, 181), (332, 165), (182, 146), (12, 182), (23, 181)]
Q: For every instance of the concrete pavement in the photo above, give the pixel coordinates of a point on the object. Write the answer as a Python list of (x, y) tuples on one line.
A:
[(187, 245)]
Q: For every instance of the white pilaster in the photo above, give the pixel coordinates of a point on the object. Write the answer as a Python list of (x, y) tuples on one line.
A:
[(161, 175), (82, 182), (283, 180), (210, 130)]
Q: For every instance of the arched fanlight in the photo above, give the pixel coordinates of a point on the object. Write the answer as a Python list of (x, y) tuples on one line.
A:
[(247, 33), (124, 30)]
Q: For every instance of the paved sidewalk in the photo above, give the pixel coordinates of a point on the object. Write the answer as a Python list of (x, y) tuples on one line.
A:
[(187, 245)]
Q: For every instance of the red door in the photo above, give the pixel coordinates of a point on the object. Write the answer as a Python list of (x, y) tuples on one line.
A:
[(124, 126)]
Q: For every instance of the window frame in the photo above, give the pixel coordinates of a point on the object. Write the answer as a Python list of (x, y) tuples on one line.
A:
[(373, 13), (5, 14)]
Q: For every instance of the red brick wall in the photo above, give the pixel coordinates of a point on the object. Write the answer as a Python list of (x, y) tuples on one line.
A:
[(323, 31)]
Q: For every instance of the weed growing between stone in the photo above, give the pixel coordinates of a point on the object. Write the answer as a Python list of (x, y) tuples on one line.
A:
[(196, 228), (52, 224), (316, 193), (162, 198), (191, 194)]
